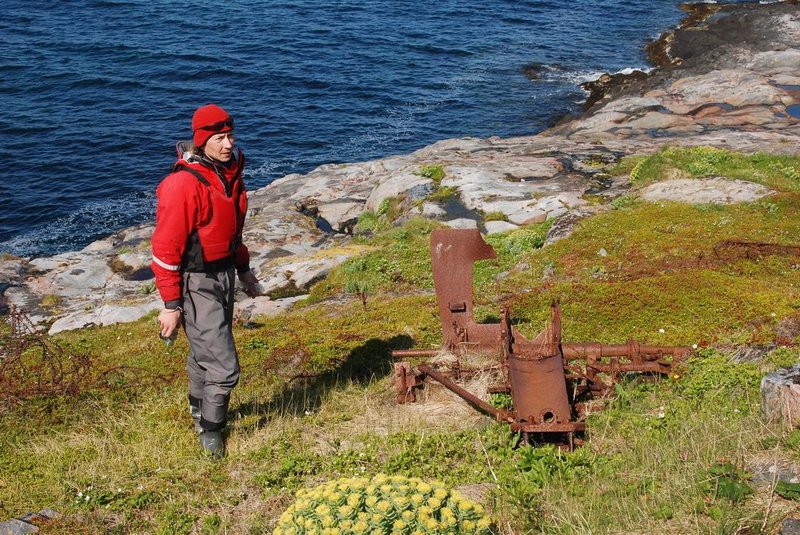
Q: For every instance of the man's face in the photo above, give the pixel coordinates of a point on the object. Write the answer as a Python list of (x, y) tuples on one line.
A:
[(220, 146)]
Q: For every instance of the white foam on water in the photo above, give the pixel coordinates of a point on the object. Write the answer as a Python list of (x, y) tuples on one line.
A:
[(73, 231)]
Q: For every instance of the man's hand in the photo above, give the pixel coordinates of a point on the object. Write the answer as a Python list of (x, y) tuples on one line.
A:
[(169, 320), (249, 283)]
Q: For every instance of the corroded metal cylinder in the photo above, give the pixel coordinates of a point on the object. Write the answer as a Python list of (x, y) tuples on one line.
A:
[(539, 390)]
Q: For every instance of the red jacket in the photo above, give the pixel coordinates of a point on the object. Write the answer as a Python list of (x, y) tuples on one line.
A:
[(199, 222)]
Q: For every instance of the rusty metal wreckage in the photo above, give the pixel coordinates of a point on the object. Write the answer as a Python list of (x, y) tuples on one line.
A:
[(549, 381)]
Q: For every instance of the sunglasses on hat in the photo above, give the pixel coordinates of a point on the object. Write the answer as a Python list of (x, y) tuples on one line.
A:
[(218, 127)]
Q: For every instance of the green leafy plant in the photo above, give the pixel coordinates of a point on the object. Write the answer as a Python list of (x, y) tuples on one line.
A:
[(502, 400), (727, 481), (433, 171), (147, 288), (382, 505), (624, 201), (789, 491), (360, 281)]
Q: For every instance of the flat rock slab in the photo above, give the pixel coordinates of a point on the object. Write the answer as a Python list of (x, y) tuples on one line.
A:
[(495, 227), (265, 307), (103, 315), (714, 190)]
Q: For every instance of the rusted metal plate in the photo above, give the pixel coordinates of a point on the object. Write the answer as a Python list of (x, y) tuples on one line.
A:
[(453, 251)]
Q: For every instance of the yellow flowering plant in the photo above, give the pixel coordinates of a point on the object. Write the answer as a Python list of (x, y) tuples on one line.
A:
[(387, 505)]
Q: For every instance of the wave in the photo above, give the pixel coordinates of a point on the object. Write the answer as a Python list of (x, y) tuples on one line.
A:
[(555, 73)]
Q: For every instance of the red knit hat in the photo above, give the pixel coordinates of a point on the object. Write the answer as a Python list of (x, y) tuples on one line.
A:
[(209, 120)]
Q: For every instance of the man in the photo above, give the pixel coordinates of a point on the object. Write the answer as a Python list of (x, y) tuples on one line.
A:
[(197, 247)]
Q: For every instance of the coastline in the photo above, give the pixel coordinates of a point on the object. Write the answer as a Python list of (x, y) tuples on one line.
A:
[(721, 79)]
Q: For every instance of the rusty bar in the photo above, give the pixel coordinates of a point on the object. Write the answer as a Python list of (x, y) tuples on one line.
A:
[(405, 381), (568, 427), (584, 350), (411, 353), (474, 400)]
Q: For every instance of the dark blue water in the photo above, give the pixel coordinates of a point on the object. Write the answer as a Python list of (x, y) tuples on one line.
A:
[(94, 94)]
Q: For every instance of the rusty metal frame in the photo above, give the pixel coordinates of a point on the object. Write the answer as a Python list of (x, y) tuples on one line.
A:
[(549, 380)]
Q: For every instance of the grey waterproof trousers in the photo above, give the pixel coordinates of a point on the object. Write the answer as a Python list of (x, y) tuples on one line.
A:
[(213, 365)]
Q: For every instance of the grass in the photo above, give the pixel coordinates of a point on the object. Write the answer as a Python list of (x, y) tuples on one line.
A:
[(778, 172), (316, 401)]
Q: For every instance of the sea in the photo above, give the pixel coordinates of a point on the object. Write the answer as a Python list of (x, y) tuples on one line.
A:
[(94, 94)]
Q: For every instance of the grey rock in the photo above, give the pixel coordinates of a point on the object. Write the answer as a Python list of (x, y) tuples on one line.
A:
[(528, 217), (790, 526), (306, 273), (341, 215), (780, 396), (136, 260), (395, 186), (263, 306), (420, 191), (17, 527), (462, 222), (495, 227), (768, 471), (432, 210), (750, 353), (564, 225), (103, 315)]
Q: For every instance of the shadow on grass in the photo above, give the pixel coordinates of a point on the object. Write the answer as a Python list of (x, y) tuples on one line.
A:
[(369, 361)]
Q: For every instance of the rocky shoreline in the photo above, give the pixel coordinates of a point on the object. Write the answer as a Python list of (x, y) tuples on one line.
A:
[(728, 77)]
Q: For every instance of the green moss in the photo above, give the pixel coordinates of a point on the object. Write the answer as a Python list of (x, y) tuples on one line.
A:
[(495, 216), (51, 301)]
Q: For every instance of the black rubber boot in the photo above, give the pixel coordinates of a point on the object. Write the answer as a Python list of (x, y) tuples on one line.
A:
[(196, 415), (213, 444)]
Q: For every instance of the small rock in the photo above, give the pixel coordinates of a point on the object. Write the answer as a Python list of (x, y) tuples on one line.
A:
[(528, 217), (750, 353), (790, 526), (433, 210), (494, 227), (602, 252)]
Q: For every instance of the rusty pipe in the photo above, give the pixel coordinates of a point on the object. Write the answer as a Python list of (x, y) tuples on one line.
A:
[(585, 350), (469, 397), (404, 353)]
